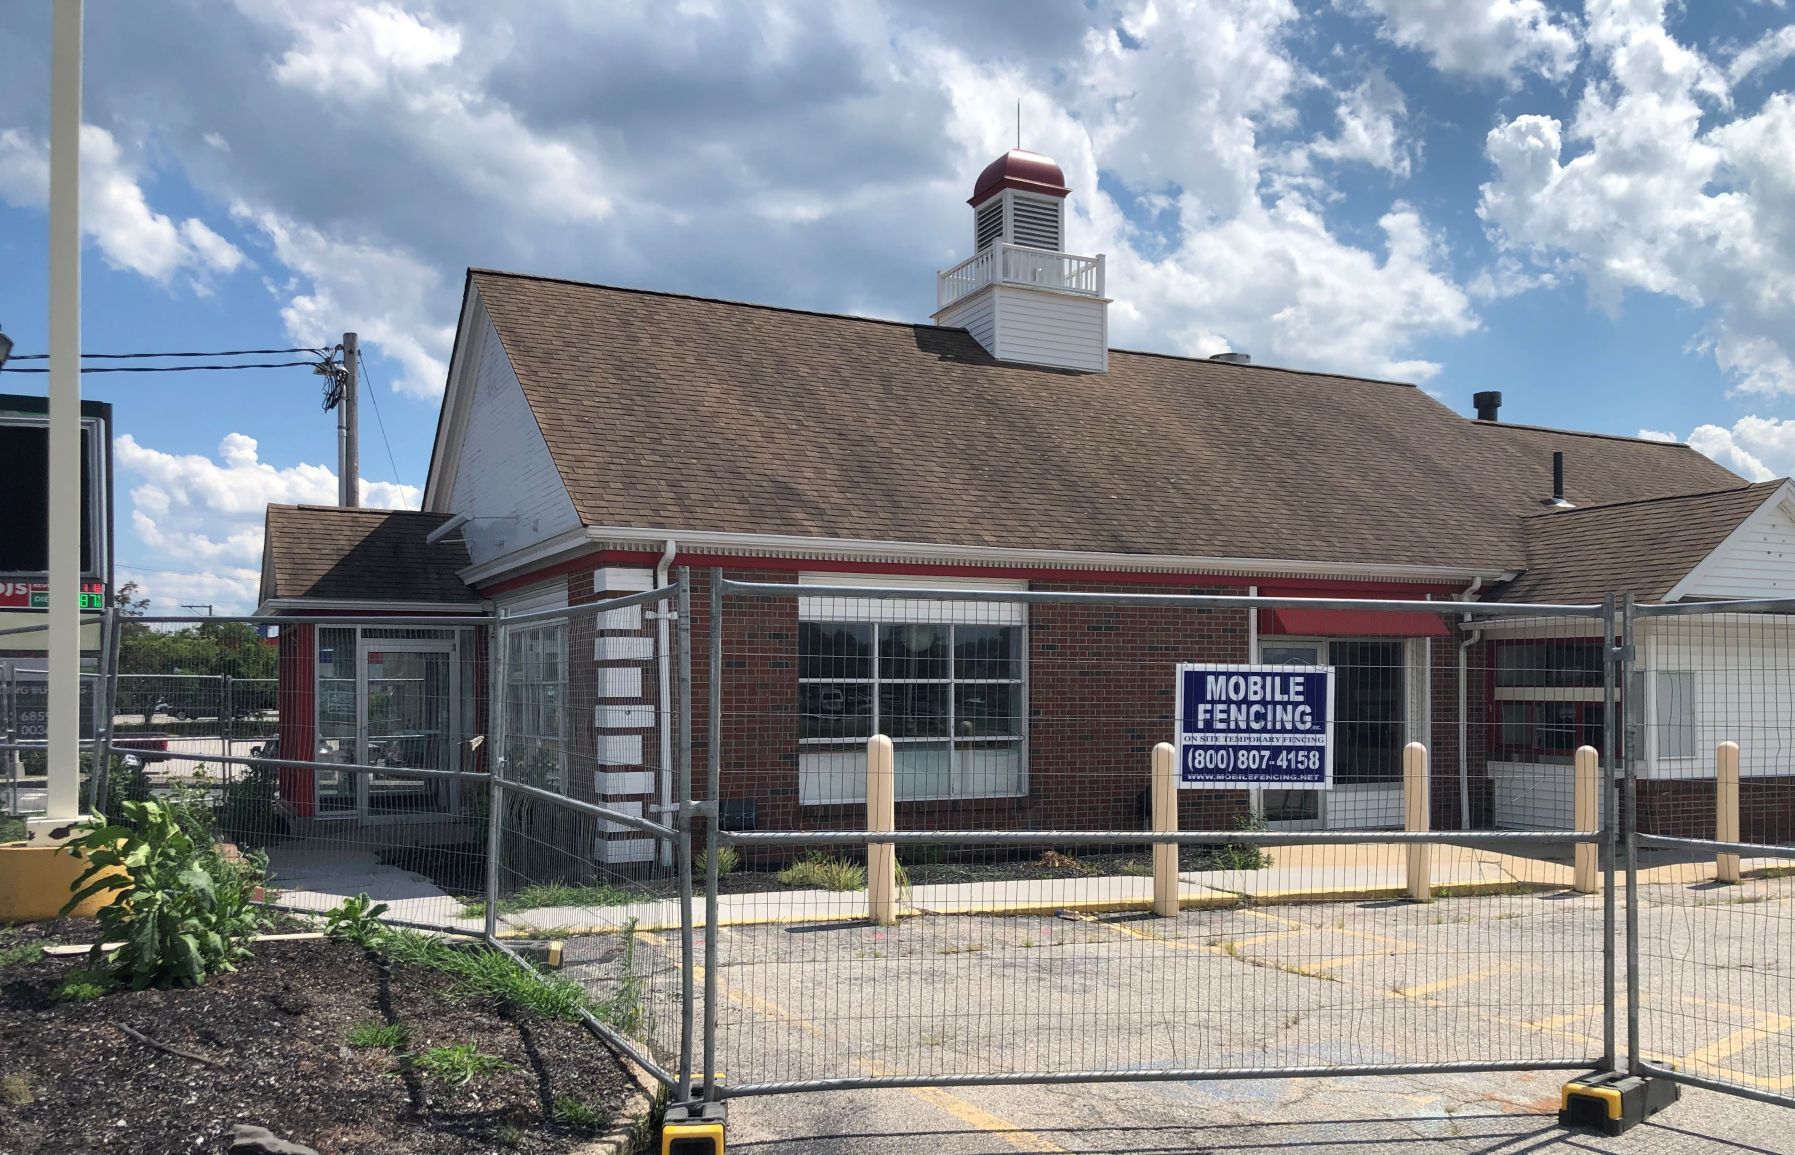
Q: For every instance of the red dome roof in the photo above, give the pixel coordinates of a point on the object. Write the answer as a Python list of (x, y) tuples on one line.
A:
[(1019, 169)]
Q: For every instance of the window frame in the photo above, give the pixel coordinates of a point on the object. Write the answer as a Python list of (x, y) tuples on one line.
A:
[(876, 681), (1558, 688)]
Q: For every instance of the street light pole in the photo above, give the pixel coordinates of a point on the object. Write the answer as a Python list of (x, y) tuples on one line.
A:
[(63, 788)]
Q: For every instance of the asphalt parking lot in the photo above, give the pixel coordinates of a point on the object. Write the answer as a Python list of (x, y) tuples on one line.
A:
[(1240, 989)]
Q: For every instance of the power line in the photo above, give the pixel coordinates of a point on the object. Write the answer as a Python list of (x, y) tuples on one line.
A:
[(139, 356), (180, 368), (362, 363)]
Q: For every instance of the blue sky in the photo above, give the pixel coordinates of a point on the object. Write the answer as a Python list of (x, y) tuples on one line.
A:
[(1590, 207)]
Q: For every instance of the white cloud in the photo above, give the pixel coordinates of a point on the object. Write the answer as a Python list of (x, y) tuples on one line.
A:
[(1767, 52), (1760, 448), (384, 296), (1651, 198), (361, 52), (114, 210), (227, 589), (1484, 38), (1370, 130), (205, 514)]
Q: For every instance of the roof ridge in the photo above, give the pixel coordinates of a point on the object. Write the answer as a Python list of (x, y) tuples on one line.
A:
[(1653, 500), (369, 509), (1578, 433)]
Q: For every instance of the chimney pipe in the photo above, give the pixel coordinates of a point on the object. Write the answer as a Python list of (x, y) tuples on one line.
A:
[(1557, 500), (1487, 403)]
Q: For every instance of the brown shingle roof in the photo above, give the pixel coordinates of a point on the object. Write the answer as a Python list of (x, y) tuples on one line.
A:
[(323, 551), (1646, 547), (676, 412)]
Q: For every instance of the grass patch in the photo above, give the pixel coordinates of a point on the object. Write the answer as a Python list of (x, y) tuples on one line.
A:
[(13, 953), (581, 1115), (1134, 868), (12, 829), (379, 1036), (553, 894), (457, 1064), (84, 986), (824, 872)]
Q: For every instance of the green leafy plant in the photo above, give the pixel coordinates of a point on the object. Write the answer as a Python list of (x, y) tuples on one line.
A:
[(1244, 855), (458, 1064), (541, 894), (381, 1036), (180, 911), (816, 871), (13, 951), (728, 858), (84, 986), (581, 1115), (356, 920)]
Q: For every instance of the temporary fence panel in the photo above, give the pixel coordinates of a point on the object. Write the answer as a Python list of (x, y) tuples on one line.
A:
[(1022, 724), (1711, 702), (587, 773)]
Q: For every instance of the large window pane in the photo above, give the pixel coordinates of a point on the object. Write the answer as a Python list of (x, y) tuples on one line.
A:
[(835, 710), (923, 770), (1368, 710), (987, 652), (987, 710), (913, 651), (831, 651), (1676, 714), (913, 710)]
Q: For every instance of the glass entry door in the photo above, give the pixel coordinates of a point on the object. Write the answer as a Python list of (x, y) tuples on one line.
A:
[(1292, 809), (408, 711)]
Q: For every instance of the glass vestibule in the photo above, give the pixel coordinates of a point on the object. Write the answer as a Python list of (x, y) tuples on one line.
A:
[(390, 698), (1374, 715)]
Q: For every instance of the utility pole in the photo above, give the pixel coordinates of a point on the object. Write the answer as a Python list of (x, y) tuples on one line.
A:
[(63, 721), (349, 428), (207, 606)]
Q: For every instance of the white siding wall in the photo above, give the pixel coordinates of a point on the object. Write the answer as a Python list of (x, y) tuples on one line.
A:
[(1534, 796), (1758, 563), (504, 476), (1043, 328), (977, 314), (1744, 691)]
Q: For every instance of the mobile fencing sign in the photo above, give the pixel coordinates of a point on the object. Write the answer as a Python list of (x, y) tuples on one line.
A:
[(1245, 726)]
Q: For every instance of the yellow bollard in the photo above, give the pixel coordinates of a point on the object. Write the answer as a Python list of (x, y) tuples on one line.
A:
[(1726, 809), (1416, 818), (1586, 815), (881, 814), (1165, 821)]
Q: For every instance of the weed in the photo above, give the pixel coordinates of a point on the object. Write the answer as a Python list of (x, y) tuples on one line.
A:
[(1028, 944), (1137, 869), (458, 1064), (933, 1038), (1064, 863), (1293, 1018), (817, 871), (963, 948), (13, 953), (1484, 890), (623, 1009), (511, 1137), (356, 921), (84, 986), (543, 894), (1244, 855), (727, 860), (581, 1115), (1231, 949), (381, 1036)]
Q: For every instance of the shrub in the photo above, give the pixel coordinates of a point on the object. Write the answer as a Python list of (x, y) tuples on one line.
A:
[(816, 871), (356, 920), (250, 814), (181, 912), (727, 860), (458, 1064)]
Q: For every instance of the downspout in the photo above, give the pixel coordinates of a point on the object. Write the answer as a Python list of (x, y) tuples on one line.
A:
[(662, 570), (1464, 725)]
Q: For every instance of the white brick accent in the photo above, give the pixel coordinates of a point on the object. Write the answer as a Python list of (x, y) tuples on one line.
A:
[(624, 850), (633, 809), (623, 717), (612, 579), (613, 648), (627, 618), (621, 783), (619, 681), (619, 750)]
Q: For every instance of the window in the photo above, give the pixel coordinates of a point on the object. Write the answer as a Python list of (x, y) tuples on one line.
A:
[(948, 694), (1548, 699), (535, 691), (1676, 714)]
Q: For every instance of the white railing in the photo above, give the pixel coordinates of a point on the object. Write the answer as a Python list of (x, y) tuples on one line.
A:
[(1020, 265)]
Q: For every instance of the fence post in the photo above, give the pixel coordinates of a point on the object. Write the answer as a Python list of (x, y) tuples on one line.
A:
[(1414, 799), (881, 814), (1726, 809), (1585, 803), (1165, 821)]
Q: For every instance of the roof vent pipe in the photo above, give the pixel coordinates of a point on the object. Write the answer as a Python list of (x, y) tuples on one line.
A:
[(1232, 358), (1557, 500), (1487, 403)]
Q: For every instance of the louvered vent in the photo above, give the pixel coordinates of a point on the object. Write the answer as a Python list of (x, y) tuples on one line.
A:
[(1037, 223), (988, 224)]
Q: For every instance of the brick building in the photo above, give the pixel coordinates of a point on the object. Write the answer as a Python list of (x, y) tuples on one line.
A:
[(592, 439)]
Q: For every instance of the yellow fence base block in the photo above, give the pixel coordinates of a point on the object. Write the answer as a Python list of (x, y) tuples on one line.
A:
[(34, 883), (694, 1129), (1613, 1103)]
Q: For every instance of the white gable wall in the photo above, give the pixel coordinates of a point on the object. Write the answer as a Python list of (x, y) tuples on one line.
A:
[(1756, 561), (503, 475)]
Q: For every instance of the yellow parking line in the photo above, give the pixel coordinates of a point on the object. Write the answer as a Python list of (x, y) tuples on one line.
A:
[(1740, 1039), (1456, 980)]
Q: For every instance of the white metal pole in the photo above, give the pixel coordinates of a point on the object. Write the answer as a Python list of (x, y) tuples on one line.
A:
[(64, 720)]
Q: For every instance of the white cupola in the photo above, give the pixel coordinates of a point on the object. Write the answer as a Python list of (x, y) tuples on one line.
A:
[(1020, 295)]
